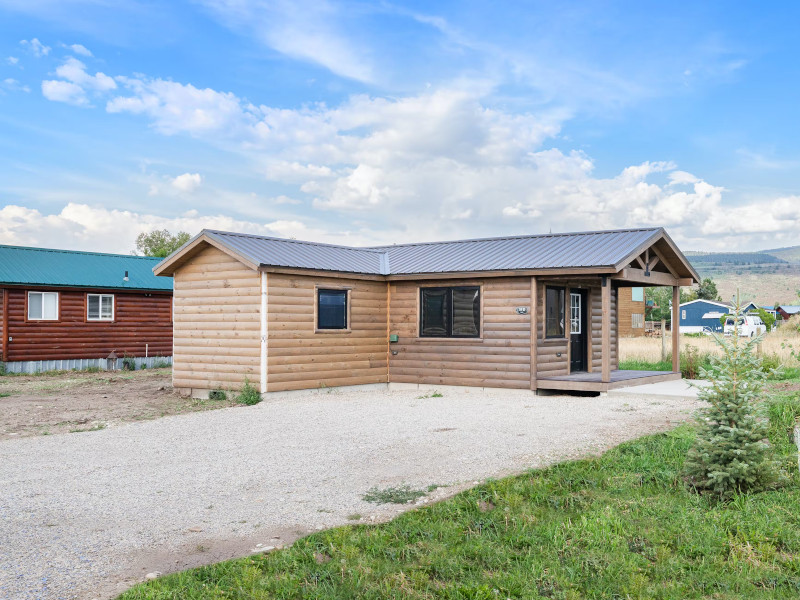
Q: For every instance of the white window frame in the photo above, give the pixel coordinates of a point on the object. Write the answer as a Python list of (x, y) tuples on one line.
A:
[(637, 321), (100, 316), (683, 314), (43, 318), (575, 313)]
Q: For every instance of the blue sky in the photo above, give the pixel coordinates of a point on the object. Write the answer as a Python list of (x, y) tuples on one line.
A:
[(376, 122)]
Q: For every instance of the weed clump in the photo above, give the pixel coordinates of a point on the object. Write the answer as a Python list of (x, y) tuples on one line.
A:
[(403, 494), (217, 395), (248, 395)]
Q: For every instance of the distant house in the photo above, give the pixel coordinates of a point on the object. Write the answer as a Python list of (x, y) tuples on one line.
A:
[(631, 312), (698, 316), (63, 309), (787, 311), (535, 312)]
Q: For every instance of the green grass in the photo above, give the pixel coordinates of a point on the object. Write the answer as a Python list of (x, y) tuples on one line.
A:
[(4, 394), (618, 526)]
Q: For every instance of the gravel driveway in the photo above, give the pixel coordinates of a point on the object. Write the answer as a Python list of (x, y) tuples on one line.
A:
[(85, 515)]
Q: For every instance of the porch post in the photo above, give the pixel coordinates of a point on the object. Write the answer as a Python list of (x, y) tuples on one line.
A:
[(676, 327), (534, 331), (606, 329)]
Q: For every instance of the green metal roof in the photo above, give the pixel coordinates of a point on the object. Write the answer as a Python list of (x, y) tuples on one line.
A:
[(69, 268)]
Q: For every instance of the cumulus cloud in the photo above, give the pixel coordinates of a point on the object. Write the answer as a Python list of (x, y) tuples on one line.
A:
[(37, 48), (81, 226), (76, 84), (80, 49), (439, 164), (187, 183), (64, 91), (12, 60)]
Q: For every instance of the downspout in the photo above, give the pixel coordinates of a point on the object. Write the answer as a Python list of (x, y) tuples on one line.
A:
[(263, 377)]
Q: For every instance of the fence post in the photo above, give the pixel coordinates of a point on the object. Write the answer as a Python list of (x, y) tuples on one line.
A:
[(797, 442), (663, 340)]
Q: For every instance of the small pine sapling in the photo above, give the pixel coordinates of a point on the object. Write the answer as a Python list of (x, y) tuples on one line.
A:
[(731, 454)]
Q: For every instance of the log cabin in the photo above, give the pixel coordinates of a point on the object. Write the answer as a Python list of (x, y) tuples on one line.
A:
[(534, 312), (62, 309)]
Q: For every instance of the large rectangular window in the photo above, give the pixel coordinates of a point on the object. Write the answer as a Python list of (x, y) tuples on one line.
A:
[(331, 309), (554, 312), (450, 312), (637, 294), (99, 307), (43, 306)]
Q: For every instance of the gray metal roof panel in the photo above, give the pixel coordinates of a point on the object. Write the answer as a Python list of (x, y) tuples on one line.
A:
[(549, 251)]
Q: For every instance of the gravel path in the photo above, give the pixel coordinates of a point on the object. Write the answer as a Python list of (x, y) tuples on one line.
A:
[(85, 515)]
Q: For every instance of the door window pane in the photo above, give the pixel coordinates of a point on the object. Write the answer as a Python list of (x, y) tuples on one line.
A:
[(554, 312), (332, 309), (575, 313)]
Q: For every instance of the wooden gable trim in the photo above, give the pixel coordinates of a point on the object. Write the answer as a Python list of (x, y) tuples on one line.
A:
[(177, 260), (650, 245)]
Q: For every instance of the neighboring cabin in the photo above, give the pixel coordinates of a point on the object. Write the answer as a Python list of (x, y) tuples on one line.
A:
[(631, 312), (787, 311), (701, 315), (62, 309), (527, 312)]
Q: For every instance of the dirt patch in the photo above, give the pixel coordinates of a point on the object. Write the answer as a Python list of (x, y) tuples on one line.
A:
[(79, 401)]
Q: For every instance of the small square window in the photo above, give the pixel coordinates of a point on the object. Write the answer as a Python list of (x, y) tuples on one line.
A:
[(99, 307), (331, 309), (637, 294), (43, 306)]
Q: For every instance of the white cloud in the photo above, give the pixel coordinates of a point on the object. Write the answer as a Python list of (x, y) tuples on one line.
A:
[(64, 91), (305, 30), (12, 60), (187, 183), (13, 85), (76, 84), (36, 47), (81, 227), (80, 49), (75, 71)]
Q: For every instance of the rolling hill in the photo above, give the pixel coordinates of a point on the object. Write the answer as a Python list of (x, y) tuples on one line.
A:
[(766, 277)]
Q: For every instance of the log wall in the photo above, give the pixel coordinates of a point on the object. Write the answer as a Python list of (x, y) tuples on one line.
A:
[(500, 358), (300, 357), (217, 323), (139, 319)]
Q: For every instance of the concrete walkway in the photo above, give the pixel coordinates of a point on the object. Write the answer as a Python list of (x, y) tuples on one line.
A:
[(85, 515), (681, 388)]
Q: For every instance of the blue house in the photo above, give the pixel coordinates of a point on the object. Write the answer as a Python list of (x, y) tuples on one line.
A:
[(698, 316)]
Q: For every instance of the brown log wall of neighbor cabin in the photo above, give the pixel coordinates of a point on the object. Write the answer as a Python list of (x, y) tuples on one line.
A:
[(140, 319), (500, 358), (300, 357), (217, 303)]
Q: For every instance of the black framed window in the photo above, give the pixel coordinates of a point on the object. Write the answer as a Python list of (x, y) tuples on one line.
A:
[(331, 309), (554, 309), (450, 311)]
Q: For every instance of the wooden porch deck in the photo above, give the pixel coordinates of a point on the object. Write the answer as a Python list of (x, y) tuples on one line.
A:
[(591, 382)]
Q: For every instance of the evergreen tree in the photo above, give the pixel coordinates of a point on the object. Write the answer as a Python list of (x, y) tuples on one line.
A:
[(731, 454)]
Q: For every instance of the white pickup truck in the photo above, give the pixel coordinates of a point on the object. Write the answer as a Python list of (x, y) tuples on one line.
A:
[(749, 326)]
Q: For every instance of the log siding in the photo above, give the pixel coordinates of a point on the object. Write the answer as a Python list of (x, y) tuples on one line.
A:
[(142, 322), (500, 357), (217, 303), (299, 356)]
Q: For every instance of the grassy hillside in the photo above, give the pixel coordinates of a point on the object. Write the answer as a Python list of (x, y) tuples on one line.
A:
[(790, 254), (767, 277)]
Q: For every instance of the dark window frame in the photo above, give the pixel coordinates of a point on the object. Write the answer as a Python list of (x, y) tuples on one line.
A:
[(343, 292), (449, 310), (562, 311)]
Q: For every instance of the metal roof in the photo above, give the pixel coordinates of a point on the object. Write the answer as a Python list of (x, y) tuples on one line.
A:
[(789, 309), (20, 265), (531, 252)]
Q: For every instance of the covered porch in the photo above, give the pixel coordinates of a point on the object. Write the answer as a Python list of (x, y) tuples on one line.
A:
[(582, 354)]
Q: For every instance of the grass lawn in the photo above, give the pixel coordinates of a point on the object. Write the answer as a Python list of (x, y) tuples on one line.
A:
[(617, 526)]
